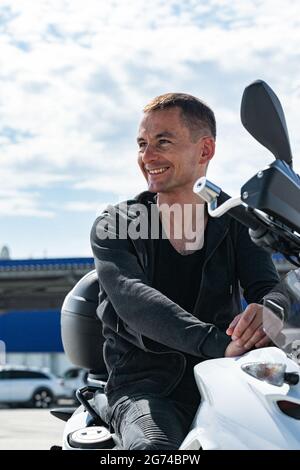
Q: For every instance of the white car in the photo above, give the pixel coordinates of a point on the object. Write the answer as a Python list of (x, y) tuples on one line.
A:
[(29, 386), (74, 379)]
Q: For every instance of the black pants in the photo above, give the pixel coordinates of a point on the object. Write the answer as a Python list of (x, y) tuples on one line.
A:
[(147, 422)]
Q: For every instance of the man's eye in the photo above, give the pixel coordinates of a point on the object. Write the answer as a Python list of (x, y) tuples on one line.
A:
[(163, 141), (142, 145)]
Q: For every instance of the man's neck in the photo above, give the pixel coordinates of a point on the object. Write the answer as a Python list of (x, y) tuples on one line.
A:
[(184, 219), (182, 198)]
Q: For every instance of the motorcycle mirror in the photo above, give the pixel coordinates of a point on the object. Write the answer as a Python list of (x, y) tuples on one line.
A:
[(263, 117)]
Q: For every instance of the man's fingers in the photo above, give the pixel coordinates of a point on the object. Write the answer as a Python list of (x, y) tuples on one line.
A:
[(252, 329), (234, 350), (265, 341), (244, 322), (233, 324), (258, 336)]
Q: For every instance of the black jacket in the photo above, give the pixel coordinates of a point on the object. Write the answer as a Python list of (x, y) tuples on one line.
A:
[(148, 335)]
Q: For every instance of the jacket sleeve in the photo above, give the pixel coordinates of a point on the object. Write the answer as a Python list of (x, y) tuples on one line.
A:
[(144, 309), (257, 273)]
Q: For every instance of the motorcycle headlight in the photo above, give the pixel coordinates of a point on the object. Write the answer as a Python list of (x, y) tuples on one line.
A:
[(269, 372)]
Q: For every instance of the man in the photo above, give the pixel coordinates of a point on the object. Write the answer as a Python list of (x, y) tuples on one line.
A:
[(166, 303)]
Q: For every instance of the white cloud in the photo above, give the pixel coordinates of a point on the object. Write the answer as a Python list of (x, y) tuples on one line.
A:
[(81, 206), (13, 179), (20, 203), (75, 76)]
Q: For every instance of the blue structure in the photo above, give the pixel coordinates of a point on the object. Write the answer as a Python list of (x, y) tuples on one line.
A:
[(50, 263), (27, 288), (36, 331)]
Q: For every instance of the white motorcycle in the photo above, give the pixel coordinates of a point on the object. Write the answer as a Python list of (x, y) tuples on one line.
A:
[(248, 402), (252, 402)]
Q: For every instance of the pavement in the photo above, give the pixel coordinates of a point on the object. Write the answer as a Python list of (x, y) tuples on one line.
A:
[(29, 429)]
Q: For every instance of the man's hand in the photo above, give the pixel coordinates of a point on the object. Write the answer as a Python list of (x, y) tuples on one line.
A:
[(234, 350), (246, 329)]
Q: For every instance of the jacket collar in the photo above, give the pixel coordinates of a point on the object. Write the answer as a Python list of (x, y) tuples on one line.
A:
[(216, 229)]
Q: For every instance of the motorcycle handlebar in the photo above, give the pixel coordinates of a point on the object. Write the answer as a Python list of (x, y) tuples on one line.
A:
[(241, 214), (215, 197)]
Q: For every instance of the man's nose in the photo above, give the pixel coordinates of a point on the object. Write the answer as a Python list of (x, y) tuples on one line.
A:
[(149, 153)]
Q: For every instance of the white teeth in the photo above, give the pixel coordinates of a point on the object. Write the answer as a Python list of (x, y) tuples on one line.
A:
[(157, 170)]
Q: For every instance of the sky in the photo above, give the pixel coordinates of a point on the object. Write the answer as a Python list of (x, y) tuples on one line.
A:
[(75, 76)]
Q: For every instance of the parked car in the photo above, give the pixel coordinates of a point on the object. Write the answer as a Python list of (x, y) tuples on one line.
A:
[(30, 386), (73, 379)]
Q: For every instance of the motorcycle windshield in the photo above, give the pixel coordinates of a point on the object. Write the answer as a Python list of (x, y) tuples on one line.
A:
[(283, 327)]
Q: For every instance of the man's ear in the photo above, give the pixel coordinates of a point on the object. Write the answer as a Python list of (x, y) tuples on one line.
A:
[(207, 149)]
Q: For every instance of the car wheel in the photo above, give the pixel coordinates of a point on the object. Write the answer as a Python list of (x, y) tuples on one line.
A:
[(42, 398)]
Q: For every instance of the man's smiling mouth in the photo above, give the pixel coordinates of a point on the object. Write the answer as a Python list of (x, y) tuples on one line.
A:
[(157, 171)]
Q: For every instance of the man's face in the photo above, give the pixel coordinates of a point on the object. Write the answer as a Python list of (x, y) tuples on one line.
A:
[(168, 158)]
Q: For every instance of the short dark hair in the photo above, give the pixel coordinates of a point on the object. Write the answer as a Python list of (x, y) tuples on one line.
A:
[(196, 114)]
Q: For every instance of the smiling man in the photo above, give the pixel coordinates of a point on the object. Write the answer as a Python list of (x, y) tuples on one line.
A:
[(164, 305), (163, 138)]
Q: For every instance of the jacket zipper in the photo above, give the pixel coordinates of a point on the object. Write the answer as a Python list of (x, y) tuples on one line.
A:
[(195, 309)]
